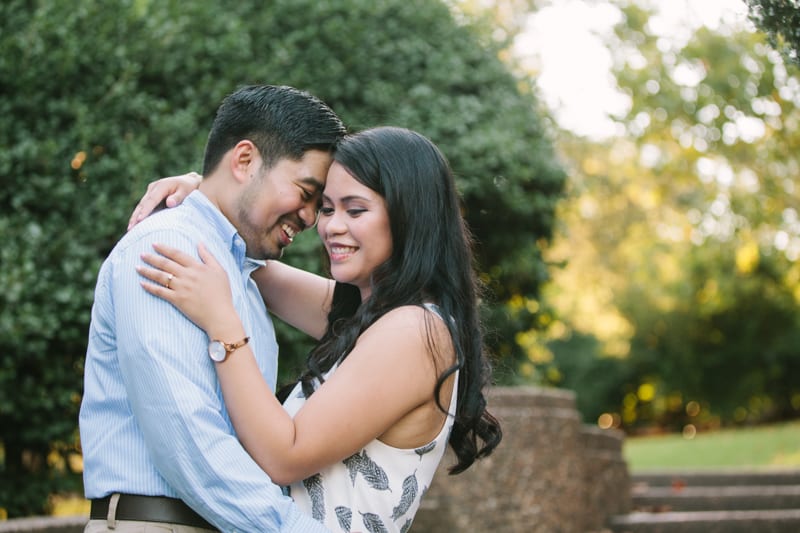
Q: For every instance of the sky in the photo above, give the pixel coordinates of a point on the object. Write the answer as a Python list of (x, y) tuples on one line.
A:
[(561, 45)]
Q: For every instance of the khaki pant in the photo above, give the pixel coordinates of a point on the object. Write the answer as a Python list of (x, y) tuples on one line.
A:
[(111, 524)]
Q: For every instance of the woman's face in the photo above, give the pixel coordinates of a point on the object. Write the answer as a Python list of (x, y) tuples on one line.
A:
[(354, 227)]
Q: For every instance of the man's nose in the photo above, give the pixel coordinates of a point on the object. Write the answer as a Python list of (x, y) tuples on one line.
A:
[(308, 214)]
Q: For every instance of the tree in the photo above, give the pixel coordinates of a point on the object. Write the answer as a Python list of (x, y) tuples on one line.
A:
[(102, 96), (780, 20), (683, 232)]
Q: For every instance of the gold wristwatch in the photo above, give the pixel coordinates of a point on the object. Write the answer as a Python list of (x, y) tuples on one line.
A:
[(219, 351)]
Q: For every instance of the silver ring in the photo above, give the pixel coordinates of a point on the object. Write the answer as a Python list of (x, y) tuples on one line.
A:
[(169, 280)]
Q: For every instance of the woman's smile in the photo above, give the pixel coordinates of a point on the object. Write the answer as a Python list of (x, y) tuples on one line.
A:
[(354, 225)]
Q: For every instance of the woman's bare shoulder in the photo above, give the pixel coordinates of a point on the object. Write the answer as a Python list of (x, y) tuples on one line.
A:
[(412, 326)]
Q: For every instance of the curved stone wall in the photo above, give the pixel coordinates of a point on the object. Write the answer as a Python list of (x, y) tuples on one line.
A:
[(550, 473)]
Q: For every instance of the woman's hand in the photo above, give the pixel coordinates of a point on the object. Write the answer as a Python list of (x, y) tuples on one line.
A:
[(200, 290), (174, 189)]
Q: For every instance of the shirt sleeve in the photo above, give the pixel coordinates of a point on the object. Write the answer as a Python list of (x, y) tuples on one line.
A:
[(175, 398)]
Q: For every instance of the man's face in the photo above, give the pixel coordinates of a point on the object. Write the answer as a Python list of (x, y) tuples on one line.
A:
[(280, 202)]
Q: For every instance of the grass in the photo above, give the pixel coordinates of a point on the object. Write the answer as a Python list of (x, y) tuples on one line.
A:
[(772, 446)]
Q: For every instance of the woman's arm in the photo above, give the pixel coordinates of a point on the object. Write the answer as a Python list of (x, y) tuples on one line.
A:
[(300, 298), (389, 375), (171, 190)]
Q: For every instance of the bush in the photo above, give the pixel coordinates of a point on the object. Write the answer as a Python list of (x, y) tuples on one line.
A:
[(100, 97)]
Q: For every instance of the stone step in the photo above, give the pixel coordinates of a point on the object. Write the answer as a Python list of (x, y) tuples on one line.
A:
[(774, 521), (732, 498), (725, 477), (712, 501), (596, 439)]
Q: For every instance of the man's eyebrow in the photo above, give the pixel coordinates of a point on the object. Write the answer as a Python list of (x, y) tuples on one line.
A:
[(314, 182)]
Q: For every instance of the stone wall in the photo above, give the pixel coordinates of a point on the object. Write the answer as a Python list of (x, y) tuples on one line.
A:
[(44, 524), (550, 474)]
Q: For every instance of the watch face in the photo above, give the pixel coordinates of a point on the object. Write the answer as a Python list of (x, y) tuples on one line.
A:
[(216, 350)]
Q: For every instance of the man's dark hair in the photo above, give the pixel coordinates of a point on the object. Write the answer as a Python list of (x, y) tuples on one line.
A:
[(283, 122)]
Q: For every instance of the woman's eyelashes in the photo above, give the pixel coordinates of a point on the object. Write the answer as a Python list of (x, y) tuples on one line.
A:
[(353, 211)]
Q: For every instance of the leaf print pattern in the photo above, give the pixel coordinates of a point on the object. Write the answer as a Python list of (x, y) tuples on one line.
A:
[(352, 463), (425, 449), (373, 473), (317, 494), (373, 523), (345, 517), (360, 463), (385, 486), (410, 487)]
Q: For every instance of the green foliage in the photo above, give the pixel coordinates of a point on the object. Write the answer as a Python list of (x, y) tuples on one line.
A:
[(780, 20), (726, 339), (595, 379), (100, 97), (686, 234), (729, 345)]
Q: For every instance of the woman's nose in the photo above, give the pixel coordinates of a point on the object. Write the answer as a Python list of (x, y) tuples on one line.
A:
[(332, 224)]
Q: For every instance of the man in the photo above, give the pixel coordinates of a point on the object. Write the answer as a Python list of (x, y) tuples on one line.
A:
[(154, 430)]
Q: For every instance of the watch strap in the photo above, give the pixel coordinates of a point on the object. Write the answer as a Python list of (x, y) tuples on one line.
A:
[(231, 347)]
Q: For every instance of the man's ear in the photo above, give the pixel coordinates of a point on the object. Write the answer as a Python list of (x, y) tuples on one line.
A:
[(245, 160)]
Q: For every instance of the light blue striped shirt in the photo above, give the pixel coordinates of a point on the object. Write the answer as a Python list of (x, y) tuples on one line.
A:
[(152, 420)]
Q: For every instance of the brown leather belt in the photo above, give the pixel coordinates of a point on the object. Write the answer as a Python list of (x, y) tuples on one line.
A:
[(149, 509)]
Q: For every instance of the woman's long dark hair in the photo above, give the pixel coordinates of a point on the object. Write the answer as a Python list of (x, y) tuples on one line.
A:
[(431, 261)]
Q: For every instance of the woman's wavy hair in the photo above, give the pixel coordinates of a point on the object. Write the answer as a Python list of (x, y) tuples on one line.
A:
[(431, 261)]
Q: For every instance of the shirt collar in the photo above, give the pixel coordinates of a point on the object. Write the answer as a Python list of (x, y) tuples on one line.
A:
[(225, 229)]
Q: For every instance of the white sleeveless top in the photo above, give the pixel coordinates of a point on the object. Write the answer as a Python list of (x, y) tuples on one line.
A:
[(377, 489)]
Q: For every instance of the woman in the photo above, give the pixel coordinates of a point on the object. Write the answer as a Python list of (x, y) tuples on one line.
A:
[(399, 369)]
